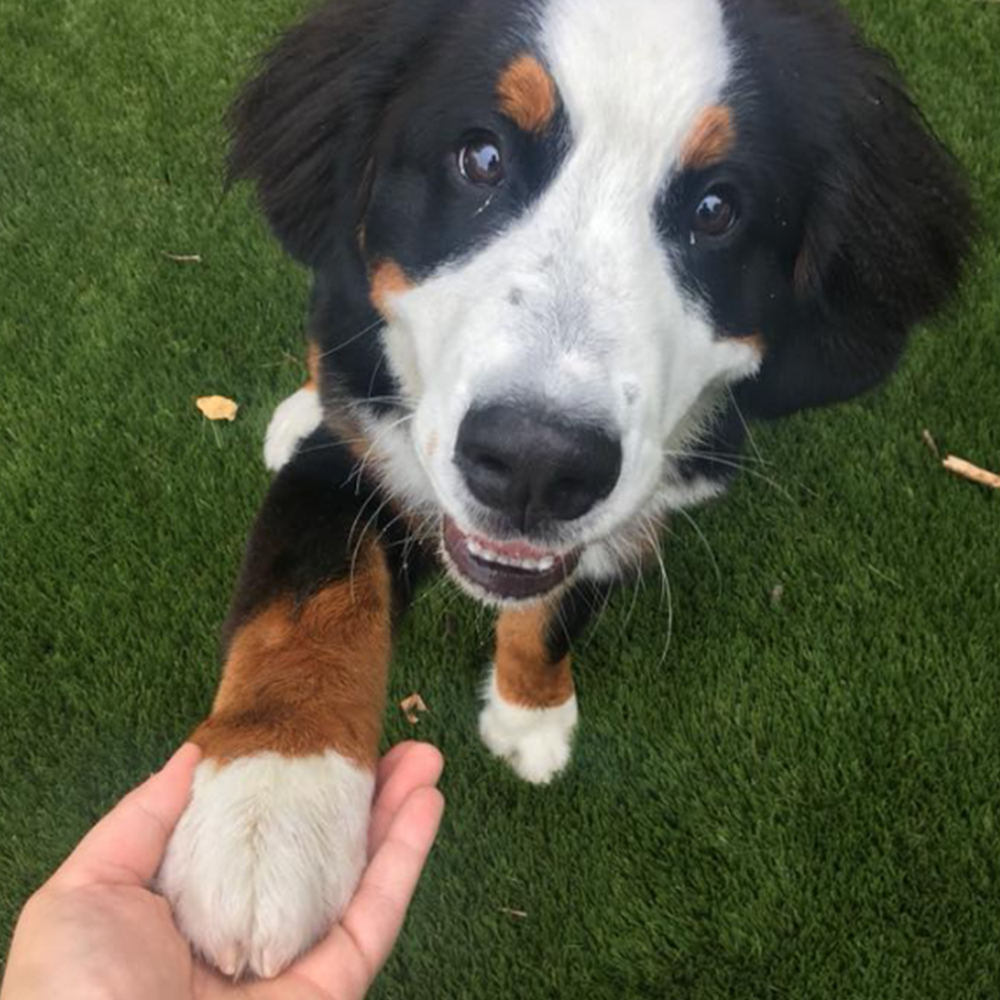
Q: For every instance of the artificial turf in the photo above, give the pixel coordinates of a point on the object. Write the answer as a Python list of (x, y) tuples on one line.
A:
[(799, 798)]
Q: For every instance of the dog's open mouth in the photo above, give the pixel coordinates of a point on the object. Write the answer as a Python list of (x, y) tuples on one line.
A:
[(513, 571)]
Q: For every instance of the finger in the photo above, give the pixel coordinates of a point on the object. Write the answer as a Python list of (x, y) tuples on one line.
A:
[(376, 913), (347, 962), (391, 761), (420, 765), (128, 844)]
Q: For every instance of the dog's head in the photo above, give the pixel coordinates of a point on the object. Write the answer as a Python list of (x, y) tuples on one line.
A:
[(552, 239)]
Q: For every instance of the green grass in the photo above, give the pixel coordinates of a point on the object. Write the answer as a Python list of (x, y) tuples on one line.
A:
[(801, 800)]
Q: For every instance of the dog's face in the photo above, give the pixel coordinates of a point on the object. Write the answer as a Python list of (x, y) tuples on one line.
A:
[(586, 228), (534, 248)]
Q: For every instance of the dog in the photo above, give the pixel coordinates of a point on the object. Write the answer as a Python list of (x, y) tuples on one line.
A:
[(562, 251)]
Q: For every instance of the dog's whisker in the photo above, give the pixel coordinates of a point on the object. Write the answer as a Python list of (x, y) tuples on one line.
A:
[(628, 556), (707, 456), (704, 540), (353, 547), (670, 618), (347, 343), (393, 397), (597, 613), (668, 591), (441, 583), (361, 538), (648, 529), (383, 432), (783, 491), (746, 425), (375, 373), (383, 532)]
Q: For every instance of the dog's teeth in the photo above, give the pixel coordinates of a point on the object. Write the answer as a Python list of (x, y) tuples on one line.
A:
[(488, 555)]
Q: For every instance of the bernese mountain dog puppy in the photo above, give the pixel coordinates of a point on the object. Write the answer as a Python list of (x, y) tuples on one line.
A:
[(562, 251)]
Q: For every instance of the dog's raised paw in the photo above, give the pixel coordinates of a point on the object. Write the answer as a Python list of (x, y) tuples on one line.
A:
[(266, 857), (536, 742)]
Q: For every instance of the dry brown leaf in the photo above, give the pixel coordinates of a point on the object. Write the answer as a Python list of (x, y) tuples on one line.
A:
[(218, 408), (972, 472), (412, 707)]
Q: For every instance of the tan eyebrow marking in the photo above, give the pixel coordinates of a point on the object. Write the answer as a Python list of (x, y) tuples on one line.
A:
[(527, 94), (387, 279), (755, 341), (711, 139)]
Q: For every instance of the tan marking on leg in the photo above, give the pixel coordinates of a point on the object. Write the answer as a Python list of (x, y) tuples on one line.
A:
[(299, 681), (527, 94), (711, 139), (387, 280), (525, 674)]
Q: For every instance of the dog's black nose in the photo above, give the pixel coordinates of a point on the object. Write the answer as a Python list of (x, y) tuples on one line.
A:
[(533, 467)]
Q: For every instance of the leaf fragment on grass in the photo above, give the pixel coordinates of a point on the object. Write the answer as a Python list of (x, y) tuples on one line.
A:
[(218, 408), (412, 708), (183, 258), (517, 914), (932, 444), (973, 473)]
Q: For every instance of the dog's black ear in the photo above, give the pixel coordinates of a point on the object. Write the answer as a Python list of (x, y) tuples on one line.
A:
[(887, 228), (303, 127)]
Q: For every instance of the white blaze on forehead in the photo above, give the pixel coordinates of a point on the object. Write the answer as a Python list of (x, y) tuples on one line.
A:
[(635, 74)]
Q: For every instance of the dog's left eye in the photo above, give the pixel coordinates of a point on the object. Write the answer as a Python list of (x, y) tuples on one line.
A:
[(717, 212), (480, 161)]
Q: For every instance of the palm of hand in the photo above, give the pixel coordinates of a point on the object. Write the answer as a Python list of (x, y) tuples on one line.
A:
[(97, 929)]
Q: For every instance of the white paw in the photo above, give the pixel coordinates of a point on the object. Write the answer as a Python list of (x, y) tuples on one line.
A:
[(537, 743), (293, 421), (266, 857)]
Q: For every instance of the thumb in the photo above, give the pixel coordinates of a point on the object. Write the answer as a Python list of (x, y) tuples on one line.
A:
[(127, 846)]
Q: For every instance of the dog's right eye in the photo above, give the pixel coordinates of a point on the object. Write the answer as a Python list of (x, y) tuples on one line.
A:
[(480, 161)]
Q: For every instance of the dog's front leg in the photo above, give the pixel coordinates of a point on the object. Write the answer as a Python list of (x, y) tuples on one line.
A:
[(531, 711), (274, 840)]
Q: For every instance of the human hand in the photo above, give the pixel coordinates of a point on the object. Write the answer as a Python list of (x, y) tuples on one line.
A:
[(96, 930)]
